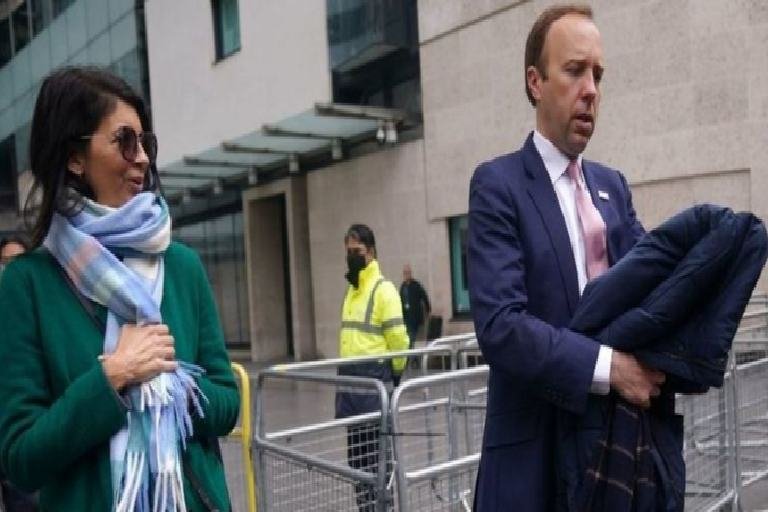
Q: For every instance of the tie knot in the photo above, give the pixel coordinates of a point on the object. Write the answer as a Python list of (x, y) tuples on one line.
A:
[(573, 171)]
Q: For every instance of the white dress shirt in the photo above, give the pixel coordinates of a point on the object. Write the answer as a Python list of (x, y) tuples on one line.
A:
[(556, 163)]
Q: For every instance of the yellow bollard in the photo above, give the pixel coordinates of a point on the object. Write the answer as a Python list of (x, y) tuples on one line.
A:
[(243, 434)]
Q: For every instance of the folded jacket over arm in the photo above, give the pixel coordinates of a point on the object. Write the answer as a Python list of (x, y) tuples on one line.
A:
[(674, 301)]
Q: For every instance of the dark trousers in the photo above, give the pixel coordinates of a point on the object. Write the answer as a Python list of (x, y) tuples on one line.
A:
[(413, 330), (363, 454)]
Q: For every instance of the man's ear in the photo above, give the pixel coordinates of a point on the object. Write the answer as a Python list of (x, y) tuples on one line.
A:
[(534, 79)]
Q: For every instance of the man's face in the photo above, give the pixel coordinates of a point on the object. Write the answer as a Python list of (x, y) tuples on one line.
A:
[(407, 273), (567, 100), (352, 246)]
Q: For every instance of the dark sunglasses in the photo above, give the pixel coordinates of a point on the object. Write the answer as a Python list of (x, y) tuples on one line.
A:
[(128, 142)]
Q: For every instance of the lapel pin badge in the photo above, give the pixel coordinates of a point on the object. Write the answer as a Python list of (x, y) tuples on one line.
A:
[(603, 195)]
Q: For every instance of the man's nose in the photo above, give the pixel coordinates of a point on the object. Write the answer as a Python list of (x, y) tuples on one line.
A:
[(590, 85)]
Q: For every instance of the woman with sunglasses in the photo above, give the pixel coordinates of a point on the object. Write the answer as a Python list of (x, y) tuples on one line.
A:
[(115, 382)]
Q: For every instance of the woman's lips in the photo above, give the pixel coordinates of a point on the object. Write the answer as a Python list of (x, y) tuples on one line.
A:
[(136, 184)]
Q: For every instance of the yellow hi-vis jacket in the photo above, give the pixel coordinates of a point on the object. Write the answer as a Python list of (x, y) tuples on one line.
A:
[(372, 318)]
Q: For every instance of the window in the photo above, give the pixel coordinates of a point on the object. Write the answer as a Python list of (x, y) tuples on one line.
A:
[(21, 26), (373, 49), (458, 240), (60, 6), (219, 242), (8, 200), (41, 16), (5, 41), (226, 27)]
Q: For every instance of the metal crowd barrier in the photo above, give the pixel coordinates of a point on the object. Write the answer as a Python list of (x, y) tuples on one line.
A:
[(317, 462), (236, 450), (437, 437), (754, 323), (422, 453), (726, 437), (709, 439), (438, 352), (465, 351), (751, 389)]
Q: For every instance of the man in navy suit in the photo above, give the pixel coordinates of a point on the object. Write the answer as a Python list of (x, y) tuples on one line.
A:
[(528, 263)]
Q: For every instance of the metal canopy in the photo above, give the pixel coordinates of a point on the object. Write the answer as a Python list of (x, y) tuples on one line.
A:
[(312, 139)]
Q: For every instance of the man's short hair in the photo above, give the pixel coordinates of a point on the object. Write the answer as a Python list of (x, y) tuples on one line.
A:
[(362, 234), (534, 45)]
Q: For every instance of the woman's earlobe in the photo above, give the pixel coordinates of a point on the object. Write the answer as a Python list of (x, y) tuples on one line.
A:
[(75, 166)]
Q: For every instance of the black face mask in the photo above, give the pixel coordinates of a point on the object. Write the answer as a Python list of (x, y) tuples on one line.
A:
[(355, 263)]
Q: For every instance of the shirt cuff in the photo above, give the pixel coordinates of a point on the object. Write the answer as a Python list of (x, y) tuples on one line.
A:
[(601, 380)]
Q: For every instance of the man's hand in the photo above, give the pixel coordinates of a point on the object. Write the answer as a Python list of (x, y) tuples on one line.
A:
[(633, 381)]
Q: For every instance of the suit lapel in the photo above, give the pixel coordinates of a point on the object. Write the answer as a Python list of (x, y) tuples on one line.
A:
[(543, 195)]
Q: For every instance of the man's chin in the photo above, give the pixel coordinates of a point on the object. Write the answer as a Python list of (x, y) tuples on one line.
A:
[(577, 143)]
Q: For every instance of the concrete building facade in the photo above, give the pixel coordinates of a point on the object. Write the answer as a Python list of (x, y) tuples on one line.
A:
[(684, 115)]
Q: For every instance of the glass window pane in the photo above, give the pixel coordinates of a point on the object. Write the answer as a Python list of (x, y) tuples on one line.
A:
[(77, 34), (5, 41), (60, 6), (8, 174), (219, 242), (40, 15), (458, 240), (373, 52), (20, 20), (97, 16), (226, 27), (230, 27)]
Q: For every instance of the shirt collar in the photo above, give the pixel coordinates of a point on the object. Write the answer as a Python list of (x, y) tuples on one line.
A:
[(555, 162)]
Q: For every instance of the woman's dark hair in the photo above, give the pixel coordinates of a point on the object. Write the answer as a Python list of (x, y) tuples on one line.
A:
[(71, 104), (362, 234)]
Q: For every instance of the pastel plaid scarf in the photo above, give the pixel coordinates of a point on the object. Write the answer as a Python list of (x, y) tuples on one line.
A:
[(145, 455)]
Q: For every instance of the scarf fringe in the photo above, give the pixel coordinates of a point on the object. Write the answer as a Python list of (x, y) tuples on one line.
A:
[(153, 450)]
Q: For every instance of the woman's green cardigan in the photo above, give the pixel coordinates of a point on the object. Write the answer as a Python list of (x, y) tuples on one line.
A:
[(57, 409)]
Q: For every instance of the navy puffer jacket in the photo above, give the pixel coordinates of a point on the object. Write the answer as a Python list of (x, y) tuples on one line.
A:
[(675, 302), (676, 299)]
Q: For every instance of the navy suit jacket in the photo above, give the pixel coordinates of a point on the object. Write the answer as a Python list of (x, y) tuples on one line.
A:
[(523, 291)]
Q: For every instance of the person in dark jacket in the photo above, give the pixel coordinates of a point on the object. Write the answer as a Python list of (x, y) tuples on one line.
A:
[(13, 499), (416, 305), (675, 302)]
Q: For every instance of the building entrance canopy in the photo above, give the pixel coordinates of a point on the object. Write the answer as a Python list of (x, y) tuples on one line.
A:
[(316, 138)]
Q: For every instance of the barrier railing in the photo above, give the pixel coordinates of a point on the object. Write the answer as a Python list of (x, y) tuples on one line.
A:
[(326, 365), (310, 461), (708, 447), (754, 322), (462, 347), (426, 457), (437, 437), (236, 450)]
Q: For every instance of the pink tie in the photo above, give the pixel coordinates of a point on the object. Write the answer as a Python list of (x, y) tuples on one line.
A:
[(592, 226)]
